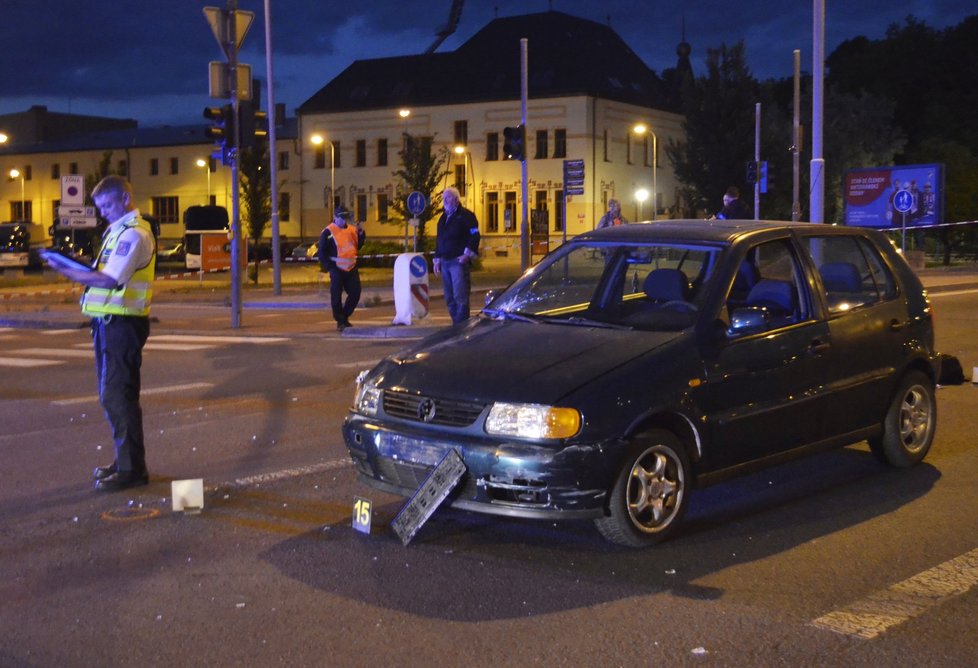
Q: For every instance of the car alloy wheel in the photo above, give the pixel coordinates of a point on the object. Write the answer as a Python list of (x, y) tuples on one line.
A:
[(910, 423)]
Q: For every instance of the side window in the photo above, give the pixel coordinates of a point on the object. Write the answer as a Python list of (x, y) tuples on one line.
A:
[(852, 273), (770, 286)]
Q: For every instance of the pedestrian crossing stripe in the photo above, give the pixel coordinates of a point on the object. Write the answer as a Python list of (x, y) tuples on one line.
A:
[(190, 338), (54, 352), (27, 363), (146, 391)]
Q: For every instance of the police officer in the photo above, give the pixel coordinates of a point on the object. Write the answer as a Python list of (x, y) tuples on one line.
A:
[(456, 245), (338, 246), (117, 299)]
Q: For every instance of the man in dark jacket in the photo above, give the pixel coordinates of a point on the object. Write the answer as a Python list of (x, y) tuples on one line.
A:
[(338, 246), (456, 245), (733, 206)]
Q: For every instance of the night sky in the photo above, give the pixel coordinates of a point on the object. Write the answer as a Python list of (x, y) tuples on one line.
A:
[(148, 60)]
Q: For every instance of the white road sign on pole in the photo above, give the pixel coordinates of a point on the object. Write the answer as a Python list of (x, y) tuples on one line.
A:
[(73, 190)]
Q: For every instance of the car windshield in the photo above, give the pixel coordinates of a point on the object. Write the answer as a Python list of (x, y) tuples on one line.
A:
[(648, 286)]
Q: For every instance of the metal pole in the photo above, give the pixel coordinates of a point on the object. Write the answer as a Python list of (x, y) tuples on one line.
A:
[(235, 194), (525, 227), (272, 162), (796, 142), (817, 195), (757, 160), (655, 174)]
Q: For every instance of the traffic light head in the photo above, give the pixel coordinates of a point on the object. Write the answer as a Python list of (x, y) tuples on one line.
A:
[(514, 143), (752, 172), (221, 129), (254, 123)]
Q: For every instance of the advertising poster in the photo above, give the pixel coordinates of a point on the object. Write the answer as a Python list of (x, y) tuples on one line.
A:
[(894, 197)]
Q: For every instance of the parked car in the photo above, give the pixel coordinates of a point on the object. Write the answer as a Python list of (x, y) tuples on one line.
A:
[(305, 252), (171, 251), (636, 363)]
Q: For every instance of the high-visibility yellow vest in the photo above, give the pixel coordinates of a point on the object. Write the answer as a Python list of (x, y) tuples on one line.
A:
[(345, 239), (135, 296)]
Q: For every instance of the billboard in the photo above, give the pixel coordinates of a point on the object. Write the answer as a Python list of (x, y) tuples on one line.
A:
[(894, 197)]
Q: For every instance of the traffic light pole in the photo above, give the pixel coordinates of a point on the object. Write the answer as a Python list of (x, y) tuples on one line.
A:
[(525, 226), (232, 53)]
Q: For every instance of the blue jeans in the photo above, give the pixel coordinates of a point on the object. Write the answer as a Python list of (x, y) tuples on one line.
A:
[(455, 277)]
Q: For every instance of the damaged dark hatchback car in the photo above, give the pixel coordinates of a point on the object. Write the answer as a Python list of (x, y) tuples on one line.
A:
[(634, 364)]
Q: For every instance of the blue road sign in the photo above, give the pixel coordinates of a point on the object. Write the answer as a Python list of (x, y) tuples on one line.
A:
[(903, 201), (416, 203)]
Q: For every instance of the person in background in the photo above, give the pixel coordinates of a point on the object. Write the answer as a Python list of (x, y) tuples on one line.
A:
[(117, 298), (338, 246), (456, 245), (733, 206), (614, 216)]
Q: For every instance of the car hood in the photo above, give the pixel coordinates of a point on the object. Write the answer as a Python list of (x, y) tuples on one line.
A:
[(488, 360)]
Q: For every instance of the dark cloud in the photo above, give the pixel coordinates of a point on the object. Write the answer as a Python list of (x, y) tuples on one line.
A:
[(148, 59)]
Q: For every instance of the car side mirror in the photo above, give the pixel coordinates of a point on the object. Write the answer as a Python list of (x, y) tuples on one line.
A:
[(748, 320)]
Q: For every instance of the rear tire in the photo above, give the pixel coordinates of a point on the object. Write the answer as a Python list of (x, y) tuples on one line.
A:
[(910, 423), (650, 493)]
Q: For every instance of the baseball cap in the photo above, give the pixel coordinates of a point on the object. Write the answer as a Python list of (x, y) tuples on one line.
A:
[(343, 212)]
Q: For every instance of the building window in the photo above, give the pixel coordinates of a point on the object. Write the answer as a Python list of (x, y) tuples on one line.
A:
[(381, 152), (336, 154), (361, 157), (21, 210), (604, 145), (560, 143), (72, 167), (166, 210), (284, 207), (319, 156), (460, 179), (361, 208), (283, 160), (56, 171), (174, 165), (492, 146), (509, 210), (383, 207), (558, 211), (28, 173), (154, 166), (492, 211), (122, 167), (461, 133), (542, 149)]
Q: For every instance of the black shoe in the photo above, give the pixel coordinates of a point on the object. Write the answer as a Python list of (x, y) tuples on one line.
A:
[(340, 326), (103, 472), (122, 480)]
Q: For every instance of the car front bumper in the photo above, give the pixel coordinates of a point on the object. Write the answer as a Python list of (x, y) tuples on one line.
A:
[(515, 479)]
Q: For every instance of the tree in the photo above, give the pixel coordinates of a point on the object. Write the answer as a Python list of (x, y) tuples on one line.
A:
[(256, 194), (719, 129), (421, 170)]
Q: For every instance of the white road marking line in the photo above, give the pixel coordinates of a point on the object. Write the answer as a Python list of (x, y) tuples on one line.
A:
[(26, 364), (145, 392), (366, 364), (181, 347), (290, 473), (54, 352), (951, 293), (49, 332), (187, 338), (884, 609)]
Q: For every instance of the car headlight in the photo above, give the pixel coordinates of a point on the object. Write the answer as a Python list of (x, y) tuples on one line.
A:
[(532, 421), (368, 396)]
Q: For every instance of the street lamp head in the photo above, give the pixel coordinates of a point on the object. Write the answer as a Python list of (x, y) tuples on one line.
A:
[(640, 128), (201, 162), (317, 139), (15, 173), (3, 138), (459, 150), (641, 194), (404, 113)]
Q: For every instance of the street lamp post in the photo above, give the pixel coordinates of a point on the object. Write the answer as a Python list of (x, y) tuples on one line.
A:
[(317, 140), (207, 166), (467, 165), (641, 129), (16, 174)]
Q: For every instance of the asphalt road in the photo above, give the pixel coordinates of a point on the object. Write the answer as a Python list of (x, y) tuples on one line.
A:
[(834, 560)]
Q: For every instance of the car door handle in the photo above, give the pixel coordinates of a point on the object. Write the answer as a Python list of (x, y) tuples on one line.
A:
[(818, 347), (896, 325)]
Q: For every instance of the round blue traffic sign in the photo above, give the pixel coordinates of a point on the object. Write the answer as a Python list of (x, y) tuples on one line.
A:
[(419, 266), (903, 201), (416, 203)]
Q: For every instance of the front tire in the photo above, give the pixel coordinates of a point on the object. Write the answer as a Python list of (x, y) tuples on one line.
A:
[(650, 493), (910, 423)]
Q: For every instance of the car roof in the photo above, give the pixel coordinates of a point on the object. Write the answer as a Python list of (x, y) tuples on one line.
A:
[(706, 231)]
